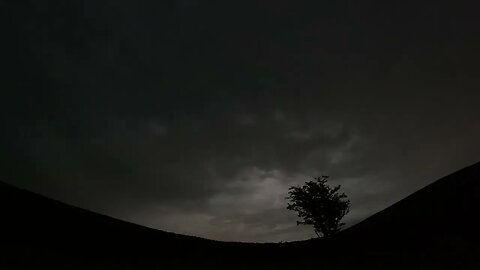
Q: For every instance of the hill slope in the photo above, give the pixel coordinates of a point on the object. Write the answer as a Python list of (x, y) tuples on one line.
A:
[(434, 228), (448, 208), (37, 232), (437, 227)]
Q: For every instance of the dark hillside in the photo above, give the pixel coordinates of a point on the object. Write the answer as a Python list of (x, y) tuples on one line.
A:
[(448, 208), (41, 230), (437, 226), (38, 232), (434, 228)]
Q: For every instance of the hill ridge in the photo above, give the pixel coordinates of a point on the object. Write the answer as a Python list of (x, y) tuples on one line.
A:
[(436, 227)]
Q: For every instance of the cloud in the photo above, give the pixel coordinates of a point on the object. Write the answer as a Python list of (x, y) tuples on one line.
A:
[(132, 111), (249, 208)]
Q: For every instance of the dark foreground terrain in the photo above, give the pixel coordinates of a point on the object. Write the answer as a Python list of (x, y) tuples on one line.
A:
[(434, 228)]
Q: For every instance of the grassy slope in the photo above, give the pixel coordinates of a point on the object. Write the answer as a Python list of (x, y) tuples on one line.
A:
[(435, 227)]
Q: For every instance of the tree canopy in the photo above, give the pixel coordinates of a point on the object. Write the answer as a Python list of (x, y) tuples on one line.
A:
[(319, 205)]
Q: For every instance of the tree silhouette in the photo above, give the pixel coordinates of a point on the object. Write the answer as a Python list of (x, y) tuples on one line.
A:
[(319, 205)]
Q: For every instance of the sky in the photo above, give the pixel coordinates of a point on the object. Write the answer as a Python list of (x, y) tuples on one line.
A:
[(196, 117)]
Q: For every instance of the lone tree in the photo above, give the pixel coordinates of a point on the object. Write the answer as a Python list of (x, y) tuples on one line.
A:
[(319, 205)]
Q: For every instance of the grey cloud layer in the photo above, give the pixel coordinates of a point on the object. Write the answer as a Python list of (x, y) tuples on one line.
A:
[(182, 113)]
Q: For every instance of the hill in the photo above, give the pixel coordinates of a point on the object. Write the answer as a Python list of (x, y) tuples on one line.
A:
[(434, 228), (38, 233), (437, 227)]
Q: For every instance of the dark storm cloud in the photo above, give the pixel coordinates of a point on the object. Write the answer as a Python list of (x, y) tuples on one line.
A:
[(195, 112)]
